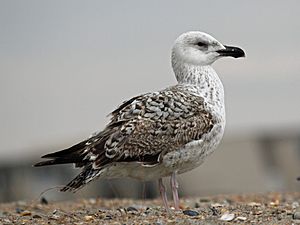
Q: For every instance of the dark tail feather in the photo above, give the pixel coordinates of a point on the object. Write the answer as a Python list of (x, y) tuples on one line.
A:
[(55, 162), (73, 154), (87, 175), (74, 150)]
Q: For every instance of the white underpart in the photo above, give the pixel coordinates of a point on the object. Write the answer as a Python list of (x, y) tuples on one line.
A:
[(194, 71)]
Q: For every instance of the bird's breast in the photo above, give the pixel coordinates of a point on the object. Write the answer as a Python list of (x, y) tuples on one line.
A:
[(195, 152)]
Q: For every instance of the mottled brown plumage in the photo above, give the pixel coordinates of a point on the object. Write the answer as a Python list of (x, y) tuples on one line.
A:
[(157, 123)]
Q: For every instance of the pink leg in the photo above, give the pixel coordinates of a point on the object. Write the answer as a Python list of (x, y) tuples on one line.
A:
[(174, 185), (163, 194)]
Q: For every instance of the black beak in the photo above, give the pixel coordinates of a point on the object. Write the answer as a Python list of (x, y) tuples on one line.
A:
[(231, 51)]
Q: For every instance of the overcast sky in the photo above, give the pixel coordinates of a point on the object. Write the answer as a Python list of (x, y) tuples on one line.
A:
[(64, 65)]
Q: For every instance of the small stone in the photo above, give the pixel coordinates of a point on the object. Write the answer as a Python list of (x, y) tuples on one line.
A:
[(116, 223), (214, 211), (25, 213), (216, 205), (257, 212), (254, 204), (275, 203), (241, 218), (279, 217), (296, 216), (122, 211), (189, 212), (88, 218), (108, 217), (7, 221), (159, 222), (295, 205), (227, 217), (131, 208), (36, 216), (55, 217), (92, 201)]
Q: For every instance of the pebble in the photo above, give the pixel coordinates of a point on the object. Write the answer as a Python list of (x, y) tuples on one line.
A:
[(131, 208), (216, 205), (36, 216), (241, 218), (295, 205), (116, 223), (55, 217), (92, 201), (158, 223), (227, 217), (189, 212), (254, 204), (122, 211), (25, 213), (7, 221), (257, 212), (108, 217), (296, 216), (215, 211), (88, 218), (275, 203), (289, 212)]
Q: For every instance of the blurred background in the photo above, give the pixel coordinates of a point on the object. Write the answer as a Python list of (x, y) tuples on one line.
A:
[(64, 65)]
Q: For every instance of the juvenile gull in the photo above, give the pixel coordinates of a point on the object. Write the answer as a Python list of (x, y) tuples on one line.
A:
[(163, 133)]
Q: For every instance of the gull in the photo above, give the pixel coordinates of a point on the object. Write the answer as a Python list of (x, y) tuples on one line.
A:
[(163, 133)]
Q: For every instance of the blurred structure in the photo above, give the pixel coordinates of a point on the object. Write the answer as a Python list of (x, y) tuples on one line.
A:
[(258, 164)]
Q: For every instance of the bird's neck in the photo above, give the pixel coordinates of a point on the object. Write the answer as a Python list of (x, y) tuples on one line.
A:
[(204, 78)]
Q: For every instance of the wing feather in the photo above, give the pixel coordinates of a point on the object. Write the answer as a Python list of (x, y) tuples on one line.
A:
[(154, 124)]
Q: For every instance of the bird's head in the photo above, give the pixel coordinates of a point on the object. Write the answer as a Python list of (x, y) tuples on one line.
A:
[(198, 48)]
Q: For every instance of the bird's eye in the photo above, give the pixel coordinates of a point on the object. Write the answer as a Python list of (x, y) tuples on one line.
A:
[(201, 44)]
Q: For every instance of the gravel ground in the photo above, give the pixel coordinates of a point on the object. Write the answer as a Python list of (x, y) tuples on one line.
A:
[(273, 208)]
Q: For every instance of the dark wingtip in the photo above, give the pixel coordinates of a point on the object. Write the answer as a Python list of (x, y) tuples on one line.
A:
[(49, 155), (44, 163)]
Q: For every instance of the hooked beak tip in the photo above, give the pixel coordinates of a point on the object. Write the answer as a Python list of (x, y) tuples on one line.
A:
[(232, 51)]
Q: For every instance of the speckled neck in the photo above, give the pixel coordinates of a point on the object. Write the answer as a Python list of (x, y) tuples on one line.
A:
[(204, 78)]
